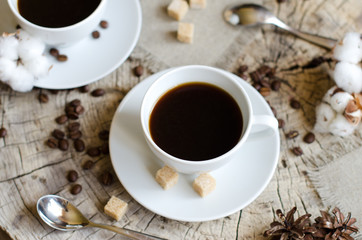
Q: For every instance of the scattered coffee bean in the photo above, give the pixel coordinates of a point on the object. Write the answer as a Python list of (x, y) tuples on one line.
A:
[(58, 134), (242, 69), (52, 143), (103, 24), (281, 123), (93, 152), (43, 98), (103, 135), (264, 70), (73, 126), (76, 189), (54, 52), (88, 165), (256, 76), (292, 134), (61, 119), (72, 176), (284, 163), (264, 91), (75, 103), (79, 145), (96, 34), (98, 92), (295, 104), (264, 83), (63, 144), (275, 85), (62, 58), (297, 151), (79, 109), (105, 148), (138, 71), (257, 86), (84, 89), (107, 178), (75, 135), (309, 137), (3, 132), (243, 76), (72, 115)]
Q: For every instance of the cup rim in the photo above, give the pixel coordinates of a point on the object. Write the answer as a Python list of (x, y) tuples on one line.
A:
[(15, 11), (206, 161)]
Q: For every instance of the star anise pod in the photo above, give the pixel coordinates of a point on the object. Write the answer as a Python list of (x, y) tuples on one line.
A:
[(288, 229), (337, 227)]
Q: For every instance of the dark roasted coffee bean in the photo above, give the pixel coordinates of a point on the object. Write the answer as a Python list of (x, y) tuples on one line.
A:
[(281, 123), (103, 135), (96, 34), (284, 163), (264, 70), (62, 58), (72, 176), (275, 85), (257, 86), (242, 69), (103, 24), (3, 132), (72, 115), (69, 108), (58, 134), (138, 71), (295, 104), (76, 189), (79, 109), (63, 144), (84, 89), (75, 135), (105, 149), (73, 126), (271, 73), (264, 91), (43, 98), (61, 119), (309, 137), (52, 143), (256, 76), (88, 165), (107, 178), (93, 151), (243, 76), (98, 92), (75, 102), (264, 83), (292, 134), (54, 52), (297, 151), (79, 145)]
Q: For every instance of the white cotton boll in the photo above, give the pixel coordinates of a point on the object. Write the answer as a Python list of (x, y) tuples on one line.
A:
[(8, 47), (340, 100), (21, 80), (341, 127), (324, 115), (29, 47), (350, 49), (348, 76), (7, 68), (329, 93), (39, 66)]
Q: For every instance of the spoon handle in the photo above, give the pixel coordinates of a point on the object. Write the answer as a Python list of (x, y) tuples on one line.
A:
[(327, 43), (125, 232)]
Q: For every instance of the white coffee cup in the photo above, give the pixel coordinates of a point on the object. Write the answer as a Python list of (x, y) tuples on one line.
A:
[(214, 76), (63, 36)]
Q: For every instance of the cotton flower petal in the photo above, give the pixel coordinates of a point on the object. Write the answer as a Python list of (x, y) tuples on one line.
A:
[(349, 49), (348, 76), (39, 66), (7, 68), (29, 47), (8, 47), (340, 100), (21, 80), (341, 127), (324, 116)]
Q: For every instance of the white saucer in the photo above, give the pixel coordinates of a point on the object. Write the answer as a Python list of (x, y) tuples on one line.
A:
[(92, 59), (238, 183)]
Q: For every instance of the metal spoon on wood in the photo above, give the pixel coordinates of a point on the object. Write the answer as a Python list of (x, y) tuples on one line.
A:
[(253, 14), (60, 214)]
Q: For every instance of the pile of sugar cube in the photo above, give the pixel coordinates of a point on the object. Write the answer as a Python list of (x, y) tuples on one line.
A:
[(340, 111), (177, 9)]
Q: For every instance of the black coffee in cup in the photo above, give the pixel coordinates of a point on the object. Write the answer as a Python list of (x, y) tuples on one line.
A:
[(56, 13), (196, 121)]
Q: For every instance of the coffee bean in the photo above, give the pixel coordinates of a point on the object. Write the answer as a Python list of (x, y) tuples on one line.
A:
[(107, 178), (84, 89), (309, 137), (257, 86), (58, 134), (242, 69), (73, 126), (264, 70), (88, 165), (75, 102), (295, 104), (54, 52), (292, 134), (281, 123), (105, 148), (79, 109), (96, 34), (103, 135), (243, 76), (256, 76), (93, 151), (264, 91), (62, 58), (98, 92), (72, 176), (43, 98), (69, 108), (138, 71), (297, 151), (264, 83), (63, 144), (284, 163), (3, 132), (76, 189), (103, 24), (275, 85), (72, 115), (52, 143), (75, 135), (79, 145), (61, 119)]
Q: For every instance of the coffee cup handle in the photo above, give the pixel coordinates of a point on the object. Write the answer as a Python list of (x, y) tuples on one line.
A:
[(263, 125)]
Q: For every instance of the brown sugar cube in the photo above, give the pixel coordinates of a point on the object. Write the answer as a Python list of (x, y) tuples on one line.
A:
[(197, 4), (166, 177), (204, 184), (115, 208), (177, 9), (185, 32)]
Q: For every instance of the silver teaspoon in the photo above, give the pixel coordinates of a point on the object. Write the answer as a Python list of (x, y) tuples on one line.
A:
[(60, 214), (253, 14)]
